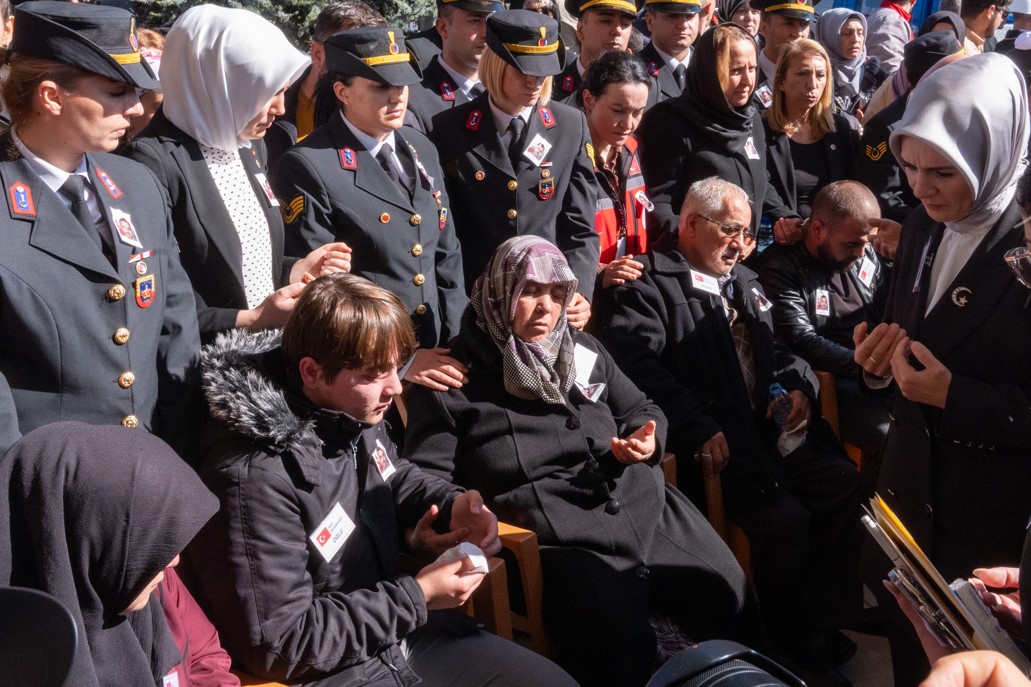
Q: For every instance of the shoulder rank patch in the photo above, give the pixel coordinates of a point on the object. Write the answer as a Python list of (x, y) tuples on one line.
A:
[(875, 153), (567, 83), (348, 158), (108, 183), (21, 199), (473, 123), (447, 91), (293, 209), (547, 118), (653, 68), (590, 151)]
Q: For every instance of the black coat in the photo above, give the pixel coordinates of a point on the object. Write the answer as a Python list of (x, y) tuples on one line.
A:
[(436, 93), (568, 87), (405, 244), (879, 170), (664, 83), (208, 243), (424, 45), (675, 154), (493, 202), (839, 149), (72, 326), (791, 277), (959, 478)]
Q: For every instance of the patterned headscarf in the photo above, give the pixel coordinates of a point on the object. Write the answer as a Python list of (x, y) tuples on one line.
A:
[(542, 369)]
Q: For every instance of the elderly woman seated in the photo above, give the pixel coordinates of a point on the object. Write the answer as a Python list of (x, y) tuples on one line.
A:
[(558, 440)]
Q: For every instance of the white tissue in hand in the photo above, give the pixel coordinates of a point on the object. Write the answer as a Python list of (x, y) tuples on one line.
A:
[(466, 550), (789, 441)]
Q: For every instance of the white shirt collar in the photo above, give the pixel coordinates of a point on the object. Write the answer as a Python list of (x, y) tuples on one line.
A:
[(768, 67), (52, 176), (462, 83), (503, 119), (671, 61), (368, 142)]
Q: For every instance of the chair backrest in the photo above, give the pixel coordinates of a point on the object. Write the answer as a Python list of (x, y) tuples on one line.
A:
[(38, 639), (724, 663)]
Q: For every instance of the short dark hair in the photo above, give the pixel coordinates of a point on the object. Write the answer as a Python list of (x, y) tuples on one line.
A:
[(844, 200), (615, 67), (345, 322), (969, 9), (343, 15)]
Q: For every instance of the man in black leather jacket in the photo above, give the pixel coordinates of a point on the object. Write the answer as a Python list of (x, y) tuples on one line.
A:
[(821, 288)]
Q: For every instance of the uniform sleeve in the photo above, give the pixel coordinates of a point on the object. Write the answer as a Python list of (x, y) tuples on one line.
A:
[(631, 323), (205, 662), (307, 210), (575, 233), (450, 275), (9, 432), (881, 173), (251, 560)]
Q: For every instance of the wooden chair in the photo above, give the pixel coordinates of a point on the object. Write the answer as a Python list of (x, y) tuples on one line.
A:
[(829, 408)]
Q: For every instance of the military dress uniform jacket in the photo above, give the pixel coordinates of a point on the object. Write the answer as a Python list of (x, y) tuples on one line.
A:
[(664, 84), (332, 189), (879, 170), (82, 339), (436, 93), (493, 202), (959, 477), (795, 282), (209, 244), (568, 87)]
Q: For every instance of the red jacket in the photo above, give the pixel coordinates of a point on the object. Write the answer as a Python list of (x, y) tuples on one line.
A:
[(622, 214), (205, 662)]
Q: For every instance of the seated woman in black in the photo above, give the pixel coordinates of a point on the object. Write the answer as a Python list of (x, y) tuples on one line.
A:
[(558, 440), (809, 145)]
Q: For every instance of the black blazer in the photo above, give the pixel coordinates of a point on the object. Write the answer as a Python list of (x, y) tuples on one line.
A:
[(208, 244), (839, 148), (436, 93), (664, 84)]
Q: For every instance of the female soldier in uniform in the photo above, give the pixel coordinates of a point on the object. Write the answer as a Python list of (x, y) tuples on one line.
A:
[(364, 180), (515, 165), (95, 326)]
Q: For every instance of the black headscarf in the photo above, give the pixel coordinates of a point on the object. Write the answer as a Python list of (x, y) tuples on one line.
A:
[(947, 18), (725, 9), (705, 105), (91, 515)]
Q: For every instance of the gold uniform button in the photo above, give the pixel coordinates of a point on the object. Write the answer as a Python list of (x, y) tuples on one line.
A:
[(417, 250), (545, 174), (116, 293), (126, 379), (420, 309), (418, 280), (130, 421), (121, 335), (512, 214), (513, 185), (415, 219)]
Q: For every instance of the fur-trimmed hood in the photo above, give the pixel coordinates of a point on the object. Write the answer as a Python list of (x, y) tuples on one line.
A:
[(245, 394)]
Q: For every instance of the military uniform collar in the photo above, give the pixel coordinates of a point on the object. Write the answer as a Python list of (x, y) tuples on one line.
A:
[(52, 176), (503, 119), (368, 142), (671, 61), (462, 83)]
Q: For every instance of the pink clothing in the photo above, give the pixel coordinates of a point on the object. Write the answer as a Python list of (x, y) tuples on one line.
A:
[(205, 662)]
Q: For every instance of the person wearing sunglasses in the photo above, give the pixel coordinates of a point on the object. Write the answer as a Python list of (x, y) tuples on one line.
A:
[(956, 334), (695, 333)]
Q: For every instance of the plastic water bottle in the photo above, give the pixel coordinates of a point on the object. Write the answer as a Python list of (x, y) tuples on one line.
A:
[(781, 403)]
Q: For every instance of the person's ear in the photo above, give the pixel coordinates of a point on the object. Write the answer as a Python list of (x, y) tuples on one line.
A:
[(817, 229), (588, 101), (50, 97), (340, 91), (311, 372), (441, 25)]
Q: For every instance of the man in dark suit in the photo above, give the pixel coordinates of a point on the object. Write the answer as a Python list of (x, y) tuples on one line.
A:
[(452, 76), (600, 25), (779, 23), (695, 333), (673, 27)]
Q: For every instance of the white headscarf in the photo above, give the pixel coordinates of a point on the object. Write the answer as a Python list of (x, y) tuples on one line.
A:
[(220, 67), (974, 113), (848, 74)]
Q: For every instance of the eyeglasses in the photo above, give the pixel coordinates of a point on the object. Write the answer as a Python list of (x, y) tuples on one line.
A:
[(1019, 261), (731, 231)]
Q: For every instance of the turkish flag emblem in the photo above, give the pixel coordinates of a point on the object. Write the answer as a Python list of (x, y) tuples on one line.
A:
[(324, 536)]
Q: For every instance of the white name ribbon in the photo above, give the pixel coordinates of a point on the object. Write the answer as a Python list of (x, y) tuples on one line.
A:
[(332, 532), (705, 282)]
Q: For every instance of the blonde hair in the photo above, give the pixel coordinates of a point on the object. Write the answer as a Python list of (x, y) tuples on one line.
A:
[(821, 119), (727, 35), (492, 75)]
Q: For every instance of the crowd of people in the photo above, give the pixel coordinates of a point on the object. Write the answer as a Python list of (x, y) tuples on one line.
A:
[(224, 259)]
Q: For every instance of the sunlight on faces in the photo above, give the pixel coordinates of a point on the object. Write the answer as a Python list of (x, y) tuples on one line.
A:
[(779, 30), (706, 245), (935, 181), (259, 126), (364, 394), (537, 310), (852, 39), (739, 81), (673, 33), (518, 91), (614, 115), (373, 107), (96, 113), (804, 81), (845, 244), (465, 36), (601, 30), (747, 18)]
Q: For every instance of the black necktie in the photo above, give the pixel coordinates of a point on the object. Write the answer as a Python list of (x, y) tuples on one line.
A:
[(515, 145), (680, 74), (74, 189), (385, 161), (476, 90)]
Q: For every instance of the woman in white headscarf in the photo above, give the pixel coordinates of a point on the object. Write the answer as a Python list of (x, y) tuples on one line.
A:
[(224, 73), (957, 330), (856, 75)]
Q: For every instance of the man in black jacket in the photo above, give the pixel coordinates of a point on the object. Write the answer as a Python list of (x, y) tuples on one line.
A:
[(300, 570), (694, 332), (821, 288)]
